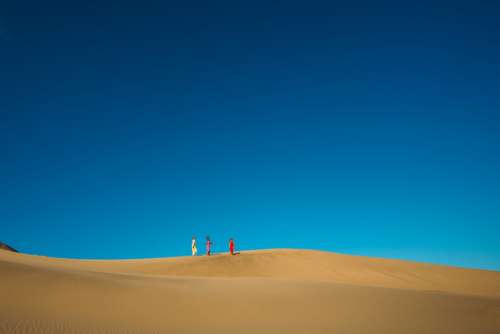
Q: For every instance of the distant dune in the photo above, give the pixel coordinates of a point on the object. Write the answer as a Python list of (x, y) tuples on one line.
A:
[(268, 291), (6, 247)]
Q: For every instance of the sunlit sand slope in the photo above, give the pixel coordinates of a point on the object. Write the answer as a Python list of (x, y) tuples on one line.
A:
[(271, 291)]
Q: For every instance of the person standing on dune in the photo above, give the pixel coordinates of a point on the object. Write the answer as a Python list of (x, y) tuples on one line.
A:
[(194, 249), (231, 246), (208, 246)]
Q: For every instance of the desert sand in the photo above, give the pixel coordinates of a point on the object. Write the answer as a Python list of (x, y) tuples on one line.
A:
[(267, 291)]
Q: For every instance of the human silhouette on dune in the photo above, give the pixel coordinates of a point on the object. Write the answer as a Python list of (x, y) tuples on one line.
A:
[(208, 246), (194, 249), (231, 247)]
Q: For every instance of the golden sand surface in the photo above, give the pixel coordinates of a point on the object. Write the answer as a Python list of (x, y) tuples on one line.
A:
[(265, 291)]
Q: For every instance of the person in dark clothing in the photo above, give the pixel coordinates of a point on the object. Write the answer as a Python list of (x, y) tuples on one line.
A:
[(208, 246)]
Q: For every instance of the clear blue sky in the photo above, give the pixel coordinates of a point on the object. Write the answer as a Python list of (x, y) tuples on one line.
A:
[(359, 127)]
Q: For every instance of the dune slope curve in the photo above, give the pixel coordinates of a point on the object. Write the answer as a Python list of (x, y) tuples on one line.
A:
[(269, 291)]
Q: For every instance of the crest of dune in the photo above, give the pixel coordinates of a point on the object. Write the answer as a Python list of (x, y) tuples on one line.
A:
[(6, 247)]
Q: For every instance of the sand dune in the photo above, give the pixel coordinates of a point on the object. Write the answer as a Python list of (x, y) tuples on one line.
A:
[(6, 247), (269, 291)]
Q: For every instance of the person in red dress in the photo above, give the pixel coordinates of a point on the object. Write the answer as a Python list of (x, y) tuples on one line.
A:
[(208, 246), (231, 246)]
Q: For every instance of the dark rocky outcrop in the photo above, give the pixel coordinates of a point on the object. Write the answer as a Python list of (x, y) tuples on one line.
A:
[(6, 247)]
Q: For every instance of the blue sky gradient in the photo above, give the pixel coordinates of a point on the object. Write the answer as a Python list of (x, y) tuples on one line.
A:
[(367, 128)]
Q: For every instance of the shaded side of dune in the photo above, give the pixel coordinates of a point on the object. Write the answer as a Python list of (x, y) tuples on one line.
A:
[(7, 247)]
